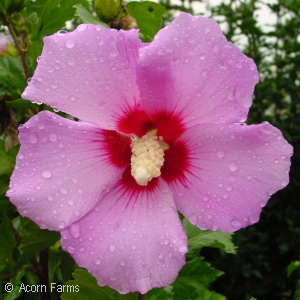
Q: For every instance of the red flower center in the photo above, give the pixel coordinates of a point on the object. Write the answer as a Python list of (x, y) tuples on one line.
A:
[(168, 125)]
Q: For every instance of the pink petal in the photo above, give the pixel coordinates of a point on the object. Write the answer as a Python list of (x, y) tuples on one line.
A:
[(88, 73), (63, 169), (230, 173), (131, 241), (191, 70)]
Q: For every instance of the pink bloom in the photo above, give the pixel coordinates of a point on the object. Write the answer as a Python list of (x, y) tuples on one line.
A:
[(3, 41), (194, 88)]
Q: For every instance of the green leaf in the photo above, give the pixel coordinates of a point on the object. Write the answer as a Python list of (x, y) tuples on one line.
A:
[(292, 267), (54, 14), (160, 294), (197, 239), (15, 281), (7, 243), (8, 160), (87, 288), (86, 17), (193, 280), (12, 77), (21, 104), (148, 16), (297, 292), (35, 239)]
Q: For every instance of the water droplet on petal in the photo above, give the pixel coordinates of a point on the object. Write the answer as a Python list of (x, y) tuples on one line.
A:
[(82, 27), (61, 225), (97, 261), (122, 263), (233, 166), (216, 47), (33, 138), (61, 32), (284, 183), (204, 73), (239, 65), (223, 64), (50, 198), (236, 224), (133, 247), (71, 249), (229, 188), (81, 249), (47, 174), (52, 137), (193, 218), (75, 230), (72, 98), (70, 43), (220, 154), (60, 145), (182, 249), (202, 56), (70, 202), (262, 204), (112, 248), (63, 190), (41, 126)]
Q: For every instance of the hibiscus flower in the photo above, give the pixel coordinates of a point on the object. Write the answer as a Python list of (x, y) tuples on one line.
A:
[(161, 131)]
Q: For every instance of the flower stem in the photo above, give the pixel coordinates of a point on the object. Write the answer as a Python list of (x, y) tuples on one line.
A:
[(20, 49), (141, 296)]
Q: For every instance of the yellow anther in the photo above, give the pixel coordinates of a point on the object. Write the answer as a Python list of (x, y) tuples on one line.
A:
[(147, 158)]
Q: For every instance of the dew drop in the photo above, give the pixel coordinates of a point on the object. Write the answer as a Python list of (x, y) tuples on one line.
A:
[(233, 166), (133, 247), (61, 32), (82, 27), (54, 86), (262, 204), (216, 48), (182, 249), (239, 65), (60, 145), (236, 224), (63, 190), (71, 249), (81, 249), (112, 248), (61, 225), (52, 137), (70, 43), (72, 98), (202, 56), (46, 174), (193, 218), (220, 154), (204, 73), (41, 125), (75, 230), (70, 202), (223, 64), (122, 263), (50, 198), (247, 101), (33, 138), (74, 180), (97, 261), (229, 188)]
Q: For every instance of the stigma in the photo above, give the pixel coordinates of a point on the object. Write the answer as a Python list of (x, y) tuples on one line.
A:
[(147, 157)]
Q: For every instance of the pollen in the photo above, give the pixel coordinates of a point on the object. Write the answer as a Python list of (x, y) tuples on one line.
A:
[(147, 158)]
